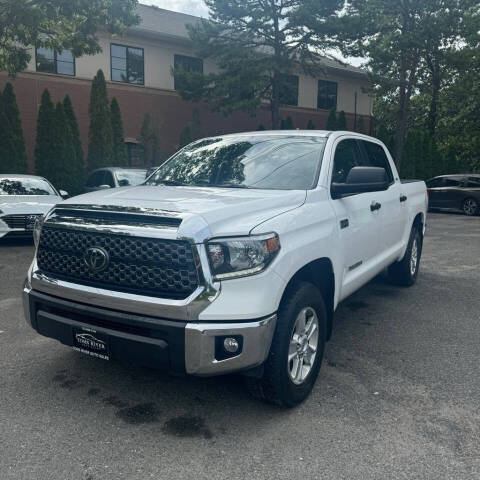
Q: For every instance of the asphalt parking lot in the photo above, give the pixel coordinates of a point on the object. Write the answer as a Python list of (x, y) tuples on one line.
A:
[(397, 397)]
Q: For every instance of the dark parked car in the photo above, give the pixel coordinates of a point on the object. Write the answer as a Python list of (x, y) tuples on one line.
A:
[(459, 192), (113, 177)]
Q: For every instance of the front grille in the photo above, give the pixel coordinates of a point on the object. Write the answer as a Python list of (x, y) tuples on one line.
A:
[(146, 266), (23, 222)]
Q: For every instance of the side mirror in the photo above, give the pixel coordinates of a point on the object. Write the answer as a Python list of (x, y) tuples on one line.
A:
[(103, 187), (63, 193), (361, 180)]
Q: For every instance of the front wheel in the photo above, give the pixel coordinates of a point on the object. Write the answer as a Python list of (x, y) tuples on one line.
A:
[(405, 271), (296, 353), (470, 207)]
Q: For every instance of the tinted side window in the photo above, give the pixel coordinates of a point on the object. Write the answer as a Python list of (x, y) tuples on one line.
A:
[(376, 157), (452, 182), (472, 182), (347, 156), (95, 179), (435, 183), (108, 180)]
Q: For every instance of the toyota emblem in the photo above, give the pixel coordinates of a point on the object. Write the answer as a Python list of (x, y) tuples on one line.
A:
[(96, 259)]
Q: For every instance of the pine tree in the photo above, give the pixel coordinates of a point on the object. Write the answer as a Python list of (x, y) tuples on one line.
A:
[(64, 151), (186, 136), (100, 134), (120, 158), (261, 128), (332, 120), (76, 165), (13, 116), (8, 155), (45, 143), (341, 121), (288, 124), (310, 125), (360, 125)]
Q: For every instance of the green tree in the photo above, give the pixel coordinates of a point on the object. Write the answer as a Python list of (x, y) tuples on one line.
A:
[(45, 143), (120, 158), (192, 131), (261, 128), (8, 154), (341, 121), (360, 125), (255, 43), (310, 125), (59, 25), (76, 165), (150, 139), (397, 37), (287, 124), (100, 134), (13, 117), (62, 175), (332, 120)]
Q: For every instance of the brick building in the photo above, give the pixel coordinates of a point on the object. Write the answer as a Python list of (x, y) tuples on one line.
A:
[(137, 67)]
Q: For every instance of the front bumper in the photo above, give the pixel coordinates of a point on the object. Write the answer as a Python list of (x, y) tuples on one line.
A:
[(177, 346)]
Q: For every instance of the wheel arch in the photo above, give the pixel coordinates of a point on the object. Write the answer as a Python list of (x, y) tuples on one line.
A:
[(419, 221), (320, 273)]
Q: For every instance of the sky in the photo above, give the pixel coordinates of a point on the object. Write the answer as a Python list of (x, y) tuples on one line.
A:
[(193, 7)]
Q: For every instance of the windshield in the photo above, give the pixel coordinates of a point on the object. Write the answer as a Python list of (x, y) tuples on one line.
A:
[(25, 186), (261, 161), (127, 178)]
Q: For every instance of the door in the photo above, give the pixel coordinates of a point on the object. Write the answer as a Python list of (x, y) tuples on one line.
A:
[(453, 193), (358, 224), (393, 211), (436, 198)]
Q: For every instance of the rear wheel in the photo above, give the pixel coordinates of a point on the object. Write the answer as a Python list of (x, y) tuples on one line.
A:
[(297, 348), (405, 271), (470, 207)]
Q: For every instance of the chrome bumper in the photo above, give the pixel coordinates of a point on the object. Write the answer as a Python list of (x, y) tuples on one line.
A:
[(200, 352), (200, 346)]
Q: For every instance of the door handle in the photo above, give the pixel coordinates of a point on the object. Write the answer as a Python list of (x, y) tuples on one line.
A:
[(375, 206), (403, 198)]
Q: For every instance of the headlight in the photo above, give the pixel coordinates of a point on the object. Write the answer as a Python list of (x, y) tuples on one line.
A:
[(241, 256), (37, 229)]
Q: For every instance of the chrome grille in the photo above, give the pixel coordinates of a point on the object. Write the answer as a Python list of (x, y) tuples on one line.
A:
[(146, 266), (21, 222)]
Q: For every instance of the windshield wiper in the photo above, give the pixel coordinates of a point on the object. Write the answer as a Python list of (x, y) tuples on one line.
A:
[(172, 183), (230, 185)]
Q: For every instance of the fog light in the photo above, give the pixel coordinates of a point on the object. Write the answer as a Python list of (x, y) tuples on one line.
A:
[(231, 345)]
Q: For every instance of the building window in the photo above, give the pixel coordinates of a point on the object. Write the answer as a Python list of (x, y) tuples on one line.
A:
[(188, 64), (127, 64), (327, 95), (289, 90), (51, 61)]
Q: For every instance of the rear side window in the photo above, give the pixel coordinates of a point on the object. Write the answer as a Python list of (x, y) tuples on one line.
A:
[(95, 179), (435, 182), (472, 182), (109, 179), (376, 157), (347, 156), (452, 182)]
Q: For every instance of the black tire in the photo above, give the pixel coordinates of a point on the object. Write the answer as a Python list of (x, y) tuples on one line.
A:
[(402, 273), (470, 207), (276, 385)]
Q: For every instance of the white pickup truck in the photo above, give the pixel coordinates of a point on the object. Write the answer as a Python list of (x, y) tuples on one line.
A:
[(231, 257)]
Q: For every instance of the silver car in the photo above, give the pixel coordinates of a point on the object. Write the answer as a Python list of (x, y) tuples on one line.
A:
[(114, 177)]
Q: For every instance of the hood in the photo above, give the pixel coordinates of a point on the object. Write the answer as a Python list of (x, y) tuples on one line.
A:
[(27, 204), (227, 211)]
